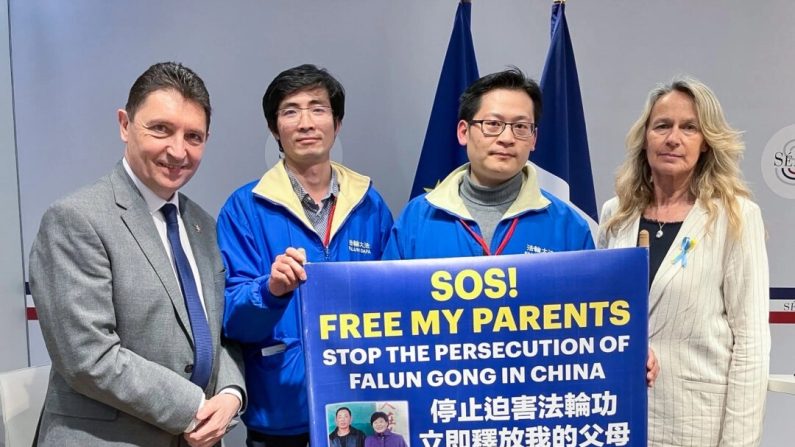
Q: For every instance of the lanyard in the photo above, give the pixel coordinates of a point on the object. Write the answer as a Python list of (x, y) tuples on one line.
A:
[(328, 224), (482, 243)]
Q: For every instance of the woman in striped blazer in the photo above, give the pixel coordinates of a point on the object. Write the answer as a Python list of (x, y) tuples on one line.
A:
[(709, 285)]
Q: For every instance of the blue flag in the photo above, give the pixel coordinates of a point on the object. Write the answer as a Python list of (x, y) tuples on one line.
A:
[(441, 152), (562, 147)]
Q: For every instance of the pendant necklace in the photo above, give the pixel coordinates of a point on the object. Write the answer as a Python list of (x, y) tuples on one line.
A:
[(659, 233)]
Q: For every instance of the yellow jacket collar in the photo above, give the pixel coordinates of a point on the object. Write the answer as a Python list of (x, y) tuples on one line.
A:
[(275, 187), (447, 197)]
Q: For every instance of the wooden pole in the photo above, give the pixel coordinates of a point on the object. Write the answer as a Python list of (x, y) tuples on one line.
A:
[(643, 239)]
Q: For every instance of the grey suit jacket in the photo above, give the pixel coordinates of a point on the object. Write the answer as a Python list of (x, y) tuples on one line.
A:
[(115, 322), (708, 325)]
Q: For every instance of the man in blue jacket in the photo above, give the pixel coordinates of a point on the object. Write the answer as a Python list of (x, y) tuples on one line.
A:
[(304, 209), (493, 204)]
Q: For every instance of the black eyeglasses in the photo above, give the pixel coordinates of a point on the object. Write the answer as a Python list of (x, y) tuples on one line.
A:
[(494, 128)]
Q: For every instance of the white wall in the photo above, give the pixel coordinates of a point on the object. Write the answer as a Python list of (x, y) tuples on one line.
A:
[(74, 62), (13, 329)]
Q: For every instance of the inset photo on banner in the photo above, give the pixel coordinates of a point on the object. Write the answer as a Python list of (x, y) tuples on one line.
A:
[(375, 423)]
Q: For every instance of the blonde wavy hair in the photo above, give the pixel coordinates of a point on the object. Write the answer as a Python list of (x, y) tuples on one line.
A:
[(716, 174)]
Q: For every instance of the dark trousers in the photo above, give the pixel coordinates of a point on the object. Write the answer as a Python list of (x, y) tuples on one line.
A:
[(257, 439)]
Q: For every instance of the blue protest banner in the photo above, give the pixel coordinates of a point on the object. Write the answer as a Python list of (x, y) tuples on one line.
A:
[(520, 350)]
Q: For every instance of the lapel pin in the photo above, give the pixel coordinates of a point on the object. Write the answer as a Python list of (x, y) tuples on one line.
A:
[(197, 228), (687, 246)]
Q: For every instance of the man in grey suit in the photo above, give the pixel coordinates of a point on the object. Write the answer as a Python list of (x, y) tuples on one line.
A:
[(129, 288)]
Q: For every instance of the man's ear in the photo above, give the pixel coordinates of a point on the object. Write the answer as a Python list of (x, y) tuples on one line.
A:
[(462, 132), (124, 123), (534, 139), (337, 126), (278, 141)]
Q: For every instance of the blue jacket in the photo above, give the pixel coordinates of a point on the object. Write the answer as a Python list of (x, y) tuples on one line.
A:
[(430, 225), (257, 223)]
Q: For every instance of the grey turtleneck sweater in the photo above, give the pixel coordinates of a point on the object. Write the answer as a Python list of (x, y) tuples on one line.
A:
[(488, 205)]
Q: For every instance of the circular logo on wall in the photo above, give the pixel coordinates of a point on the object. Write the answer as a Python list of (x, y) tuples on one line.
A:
[(778, 163)]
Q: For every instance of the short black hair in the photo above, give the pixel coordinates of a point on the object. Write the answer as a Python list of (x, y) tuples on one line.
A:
[(379, 414), (169, 76), (510, 79), (342, 408), (302, 77)]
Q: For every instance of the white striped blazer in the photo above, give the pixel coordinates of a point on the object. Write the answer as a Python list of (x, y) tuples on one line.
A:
[(708, 325)]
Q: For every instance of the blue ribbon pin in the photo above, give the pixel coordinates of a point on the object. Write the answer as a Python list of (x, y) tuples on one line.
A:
[(687, 245)]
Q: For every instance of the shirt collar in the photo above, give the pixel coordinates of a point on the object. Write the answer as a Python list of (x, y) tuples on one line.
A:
[(298, 188), (153, 201)]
